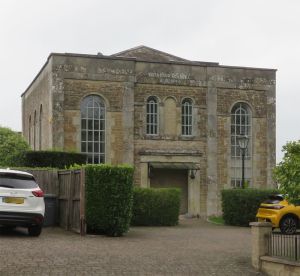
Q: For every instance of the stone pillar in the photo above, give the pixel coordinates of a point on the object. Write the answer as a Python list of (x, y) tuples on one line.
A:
[(128, 123), (212, 151), (260, 233), (271, 133)]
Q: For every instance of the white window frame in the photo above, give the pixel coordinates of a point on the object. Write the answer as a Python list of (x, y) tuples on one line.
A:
[(241, 124), (93, 128), (152, 116), (187, 117)]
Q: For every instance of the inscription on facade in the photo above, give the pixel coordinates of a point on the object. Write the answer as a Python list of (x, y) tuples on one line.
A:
[(114, 71)]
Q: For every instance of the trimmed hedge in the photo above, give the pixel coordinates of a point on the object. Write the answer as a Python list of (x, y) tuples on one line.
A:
[(54, 159), (154, 207), (240, 205), (109, 192)]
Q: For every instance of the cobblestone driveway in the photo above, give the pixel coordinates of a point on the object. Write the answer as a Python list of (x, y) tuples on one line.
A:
[(194, 247)]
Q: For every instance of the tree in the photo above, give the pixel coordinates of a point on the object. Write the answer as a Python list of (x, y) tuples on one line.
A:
[(12, 147), (287, 172)]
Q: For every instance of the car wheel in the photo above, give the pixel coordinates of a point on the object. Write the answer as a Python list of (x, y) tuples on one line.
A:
[(34, 231), (288, 225)]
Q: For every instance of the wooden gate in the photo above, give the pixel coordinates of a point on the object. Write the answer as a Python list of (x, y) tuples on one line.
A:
[(71, 200), (68, 187)]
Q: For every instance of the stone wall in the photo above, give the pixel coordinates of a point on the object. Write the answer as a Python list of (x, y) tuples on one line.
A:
[(126, 83), (37, 99)]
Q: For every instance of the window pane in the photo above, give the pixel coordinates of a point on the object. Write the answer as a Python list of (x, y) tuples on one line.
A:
[(83, 124), (90, 113), (96, 147), (90, 147), (96, 136), (102, 124), (92, 107), (90, 158), (96, 125), (90, 136), (83, 136), (102, 147), (90, 124)]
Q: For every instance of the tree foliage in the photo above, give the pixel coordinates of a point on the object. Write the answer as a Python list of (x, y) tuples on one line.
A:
[(287, 172), (12, 147)]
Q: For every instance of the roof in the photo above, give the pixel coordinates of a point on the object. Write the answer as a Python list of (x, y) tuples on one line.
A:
[(146, 53)]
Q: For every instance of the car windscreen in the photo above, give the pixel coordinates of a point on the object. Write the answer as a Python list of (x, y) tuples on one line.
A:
[(17, 181), (274, 199)]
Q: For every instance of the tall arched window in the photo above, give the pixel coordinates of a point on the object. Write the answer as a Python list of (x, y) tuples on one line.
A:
[(93, 128), (34, 130), (152, 116), (187, 117), (29, 131), (241, 124), (40, 127)]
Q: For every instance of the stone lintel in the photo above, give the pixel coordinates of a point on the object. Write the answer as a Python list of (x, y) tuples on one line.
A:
[(171, 152)]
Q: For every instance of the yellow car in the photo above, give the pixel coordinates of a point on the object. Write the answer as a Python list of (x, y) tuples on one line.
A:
[(280, 213)]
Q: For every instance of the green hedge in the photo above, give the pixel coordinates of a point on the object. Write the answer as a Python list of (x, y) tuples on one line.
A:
[(240, 205), (54, 159), (154, 207), (108, 198)]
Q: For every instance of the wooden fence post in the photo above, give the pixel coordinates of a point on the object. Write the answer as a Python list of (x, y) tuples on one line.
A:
[(82, 203)]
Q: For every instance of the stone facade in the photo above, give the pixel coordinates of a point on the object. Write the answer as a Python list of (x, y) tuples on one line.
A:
[(125, 81)]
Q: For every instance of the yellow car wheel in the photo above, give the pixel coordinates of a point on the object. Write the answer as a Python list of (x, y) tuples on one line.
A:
[(288, 225)]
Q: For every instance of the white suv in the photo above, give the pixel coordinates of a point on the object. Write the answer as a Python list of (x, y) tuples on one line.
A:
[(21, 201)]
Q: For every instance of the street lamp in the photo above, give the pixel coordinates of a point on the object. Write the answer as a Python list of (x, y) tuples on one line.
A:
[(243, 141)]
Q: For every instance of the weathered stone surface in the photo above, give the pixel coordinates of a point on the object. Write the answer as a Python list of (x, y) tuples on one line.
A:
[(125, 81)]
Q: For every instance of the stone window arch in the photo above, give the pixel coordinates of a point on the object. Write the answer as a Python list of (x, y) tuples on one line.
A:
[(187, 117), (29, 131), (40, 127), (93, 126), (34, 130), (152, 124), (241, 124)]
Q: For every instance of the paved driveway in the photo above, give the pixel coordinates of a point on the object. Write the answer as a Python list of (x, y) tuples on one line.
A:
[(195, 247)]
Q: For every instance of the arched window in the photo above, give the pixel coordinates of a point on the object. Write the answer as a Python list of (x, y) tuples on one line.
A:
[(152, 116), (40, 127), (34, 130), (29, 131), (93, 128), (241, 124), (187, 117)]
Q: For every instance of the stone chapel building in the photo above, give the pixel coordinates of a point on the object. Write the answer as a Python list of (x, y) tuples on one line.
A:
[(177, 121)]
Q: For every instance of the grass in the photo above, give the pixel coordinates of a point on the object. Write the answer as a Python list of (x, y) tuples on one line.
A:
[(216, 220)]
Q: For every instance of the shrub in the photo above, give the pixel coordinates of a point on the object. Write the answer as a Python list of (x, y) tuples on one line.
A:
[(108, 198), (240, 205), (54, 159), (153, 207), (12, 147)]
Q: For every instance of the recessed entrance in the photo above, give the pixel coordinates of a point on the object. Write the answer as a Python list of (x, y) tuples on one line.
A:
[(172, 178)]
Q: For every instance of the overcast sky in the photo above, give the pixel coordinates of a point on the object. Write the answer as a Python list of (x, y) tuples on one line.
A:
[(256, 33)]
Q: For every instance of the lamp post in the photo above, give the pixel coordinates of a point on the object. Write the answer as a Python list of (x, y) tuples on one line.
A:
[(243, 141)]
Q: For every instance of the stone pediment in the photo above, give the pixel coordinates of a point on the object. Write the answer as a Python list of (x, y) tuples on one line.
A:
[(148, 54)]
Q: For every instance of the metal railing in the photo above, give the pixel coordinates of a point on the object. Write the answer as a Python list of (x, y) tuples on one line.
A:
[(285, 246)]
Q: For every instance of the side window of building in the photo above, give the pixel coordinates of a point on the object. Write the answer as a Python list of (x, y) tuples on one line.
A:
[(241, 124), (93, 128), (152, 116), (187, 117)]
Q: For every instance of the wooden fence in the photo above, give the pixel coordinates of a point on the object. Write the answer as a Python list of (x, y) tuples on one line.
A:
[(68, 187)]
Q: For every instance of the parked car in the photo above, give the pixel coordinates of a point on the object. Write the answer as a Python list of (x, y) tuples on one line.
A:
[(21, 201), (277, 210)]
